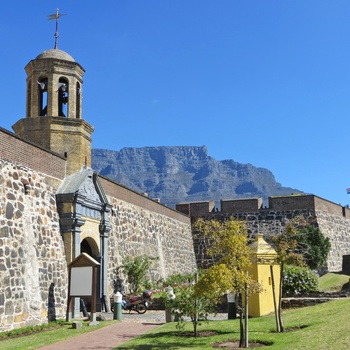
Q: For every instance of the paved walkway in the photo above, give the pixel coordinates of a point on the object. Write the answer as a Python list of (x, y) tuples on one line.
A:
[(111, 336)]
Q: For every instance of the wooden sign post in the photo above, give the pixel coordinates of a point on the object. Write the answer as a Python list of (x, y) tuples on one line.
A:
[(82, 282)]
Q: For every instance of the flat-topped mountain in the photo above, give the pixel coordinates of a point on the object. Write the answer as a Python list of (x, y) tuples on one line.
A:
[(177, 174)]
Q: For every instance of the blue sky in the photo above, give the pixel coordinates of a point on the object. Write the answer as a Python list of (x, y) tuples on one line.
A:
[(265, 82)]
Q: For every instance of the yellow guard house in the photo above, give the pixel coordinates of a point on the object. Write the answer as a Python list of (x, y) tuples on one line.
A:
[(264, 269)]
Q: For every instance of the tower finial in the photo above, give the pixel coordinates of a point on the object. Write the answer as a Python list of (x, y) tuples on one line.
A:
[(56, 16)]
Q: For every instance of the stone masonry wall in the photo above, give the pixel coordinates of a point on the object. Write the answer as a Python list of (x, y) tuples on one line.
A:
[(33, 268), (137, 231), (265, 221), (332, 219), (33, 279), (337, 229)]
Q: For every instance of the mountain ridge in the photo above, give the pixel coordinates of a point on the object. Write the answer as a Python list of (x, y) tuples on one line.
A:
[(176, 174)]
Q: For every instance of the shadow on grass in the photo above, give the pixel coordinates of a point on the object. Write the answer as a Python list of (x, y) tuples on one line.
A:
[(291, 329), (165, 340), (234, 344), (341, 273)]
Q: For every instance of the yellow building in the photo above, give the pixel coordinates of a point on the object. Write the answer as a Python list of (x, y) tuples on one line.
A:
[(265, 270)]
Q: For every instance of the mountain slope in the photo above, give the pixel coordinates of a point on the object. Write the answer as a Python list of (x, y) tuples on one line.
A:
[(183, 173)]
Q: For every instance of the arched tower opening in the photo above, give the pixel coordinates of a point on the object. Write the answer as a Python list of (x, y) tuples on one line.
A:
[(63, 97), (42, 96)]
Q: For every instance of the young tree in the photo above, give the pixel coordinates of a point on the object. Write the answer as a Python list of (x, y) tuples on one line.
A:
[(136, 268), (185, 303), (286, 246), (229, 247), (300, 245)]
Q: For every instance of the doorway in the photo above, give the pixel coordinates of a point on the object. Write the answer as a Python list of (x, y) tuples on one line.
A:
[(89, 246)]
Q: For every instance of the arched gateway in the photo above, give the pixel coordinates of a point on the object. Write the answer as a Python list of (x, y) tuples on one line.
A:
[(84, 221)]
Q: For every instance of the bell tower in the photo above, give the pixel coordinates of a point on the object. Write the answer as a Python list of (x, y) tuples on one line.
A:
[(54, 108), (54, 85)]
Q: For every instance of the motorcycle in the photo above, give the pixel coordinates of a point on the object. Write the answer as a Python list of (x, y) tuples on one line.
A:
[(140, 304)]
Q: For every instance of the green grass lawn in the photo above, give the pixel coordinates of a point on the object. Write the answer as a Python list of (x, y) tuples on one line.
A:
[(46, 337), (326, 326), (332, 282)]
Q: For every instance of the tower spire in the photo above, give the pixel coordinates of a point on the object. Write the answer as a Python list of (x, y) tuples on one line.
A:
[(56, 16)]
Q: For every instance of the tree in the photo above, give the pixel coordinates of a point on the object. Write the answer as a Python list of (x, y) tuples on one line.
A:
[(229, 247), (286, 246), (314, 246), (185, 303), (136, 269), (300, 245)]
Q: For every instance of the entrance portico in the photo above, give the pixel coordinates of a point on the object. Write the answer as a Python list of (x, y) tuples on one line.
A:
[(83, 209)]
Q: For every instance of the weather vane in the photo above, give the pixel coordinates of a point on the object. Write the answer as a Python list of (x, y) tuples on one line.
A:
[(56, 16)]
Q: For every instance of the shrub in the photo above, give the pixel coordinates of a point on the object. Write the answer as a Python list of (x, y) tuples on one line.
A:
[(136, 269), (298, 280), (179, 279)]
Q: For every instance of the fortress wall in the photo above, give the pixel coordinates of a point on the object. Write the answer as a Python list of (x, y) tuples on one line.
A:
[(123, 193), (33, 279), (34, 274), (346, 212), (292, 202), (330, 207), (196, 209), (18, 151), (241, 205), (137, 231), (337, 229), (295, 202), (265, 221), (332, 219)]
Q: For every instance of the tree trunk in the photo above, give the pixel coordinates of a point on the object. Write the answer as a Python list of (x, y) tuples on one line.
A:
[(195, 318), (246, 340), (195, 315), (278, 329), (195, 325), (280, 321), (241, 324)]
